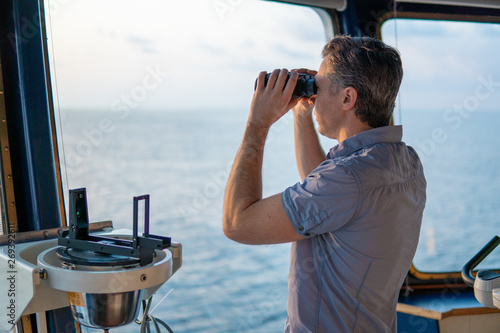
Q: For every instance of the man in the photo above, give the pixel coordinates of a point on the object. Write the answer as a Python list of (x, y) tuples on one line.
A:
[(355, 219)]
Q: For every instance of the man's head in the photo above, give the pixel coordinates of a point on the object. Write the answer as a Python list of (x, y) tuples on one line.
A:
[(372, 68)]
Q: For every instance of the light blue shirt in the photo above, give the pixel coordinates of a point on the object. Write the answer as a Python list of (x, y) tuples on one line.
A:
[(360, 212)]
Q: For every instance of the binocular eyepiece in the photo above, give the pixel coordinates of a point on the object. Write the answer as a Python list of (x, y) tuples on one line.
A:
[(305, 87)]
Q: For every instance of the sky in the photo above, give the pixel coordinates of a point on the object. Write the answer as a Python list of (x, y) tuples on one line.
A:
[(205, 54), (445, 62)]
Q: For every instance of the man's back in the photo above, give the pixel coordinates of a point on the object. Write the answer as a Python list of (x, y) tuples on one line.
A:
[(362, 210)]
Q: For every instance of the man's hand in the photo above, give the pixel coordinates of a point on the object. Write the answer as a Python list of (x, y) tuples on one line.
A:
[(270, 102), (248, 217), (305, 105), (308, 150)]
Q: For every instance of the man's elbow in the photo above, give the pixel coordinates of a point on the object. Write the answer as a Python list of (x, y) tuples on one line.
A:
[(230, 233), (230, 230), (233, 230)]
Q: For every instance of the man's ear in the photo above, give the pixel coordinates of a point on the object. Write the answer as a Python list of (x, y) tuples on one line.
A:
[(350, 98)]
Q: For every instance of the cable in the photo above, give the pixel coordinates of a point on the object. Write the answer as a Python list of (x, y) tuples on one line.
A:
[(147, 319), (56, 91), (397, 47)]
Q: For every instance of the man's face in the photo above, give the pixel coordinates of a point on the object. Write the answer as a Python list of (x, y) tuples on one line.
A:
[(327, 103)]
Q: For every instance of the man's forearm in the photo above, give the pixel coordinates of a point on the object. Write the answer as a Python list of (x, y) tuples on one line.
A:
[(244, 186), (247, 217), (308, 151)]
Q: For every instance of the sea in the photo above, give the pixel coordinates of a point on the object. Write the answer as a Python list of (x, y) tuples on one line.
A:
[(182, 160)]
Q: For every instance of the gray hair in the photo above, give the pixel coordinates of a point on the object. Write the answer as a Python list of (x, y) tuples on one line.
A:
[(371, 67)]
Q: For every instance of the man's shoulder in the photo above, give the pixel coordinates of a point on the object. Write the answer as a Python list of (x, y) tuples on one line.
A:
[(381, 163), (371, 153)]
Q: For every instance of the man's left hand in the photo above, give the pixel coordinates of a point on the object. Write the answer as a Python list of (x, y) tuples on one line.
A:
[(270, 102)]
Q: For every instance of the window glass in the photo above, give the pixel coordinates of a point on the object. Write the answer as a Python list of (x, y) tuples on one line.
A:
[(449, 109), (153, 97)]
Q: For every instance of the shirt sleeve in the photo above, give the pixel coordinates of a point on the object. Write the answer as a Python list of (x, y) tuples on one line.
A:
[(325, 202)]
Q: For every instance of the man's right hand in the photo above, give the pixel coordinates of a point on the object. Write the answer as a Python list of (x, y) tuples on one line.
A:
[(305, 105), (308, 150)]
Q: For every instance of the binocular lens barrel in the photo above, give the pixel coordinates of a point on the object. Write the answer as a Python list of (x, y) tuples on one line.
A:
[(305, 87)]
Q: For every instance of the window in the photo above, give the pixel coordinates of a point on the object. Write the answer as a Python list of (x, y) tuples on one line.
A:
[(153, 97), (449, 108)]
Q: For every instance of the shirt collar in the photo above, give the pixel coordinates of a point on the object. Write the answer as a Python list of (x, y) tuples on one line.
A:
[(367, 138)]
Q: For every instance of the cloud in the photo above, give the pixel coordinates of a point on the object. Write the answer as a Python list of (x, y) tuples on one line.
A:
[(443, 61), (146, 45)]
